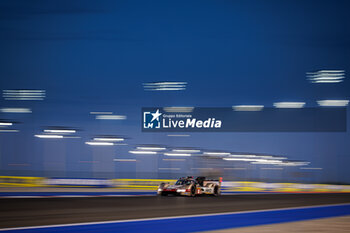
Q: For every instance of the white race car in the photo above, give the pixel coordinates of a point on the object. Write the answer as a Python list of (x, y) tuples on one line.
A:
[(188, 186)]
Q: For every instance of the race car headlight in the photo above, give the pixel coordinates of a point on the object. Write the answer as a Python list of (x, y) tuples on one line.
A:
[(159, 190), (181, 190)]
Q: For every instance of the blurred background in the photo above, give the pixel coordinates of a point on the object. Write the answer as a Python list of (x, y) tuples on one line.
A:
[(74, 76)]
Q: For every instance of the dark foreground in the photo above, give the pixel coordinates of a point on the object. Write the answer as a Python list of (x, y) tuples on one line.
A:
[(46, 211)]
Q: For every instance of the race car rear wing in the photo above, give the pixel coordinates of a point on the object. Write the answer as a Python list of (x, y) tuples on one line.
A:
[(202, 179)]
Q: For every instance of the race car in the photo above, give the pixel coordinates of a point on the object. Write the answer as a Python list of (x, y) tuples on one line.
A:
[(188, 186)]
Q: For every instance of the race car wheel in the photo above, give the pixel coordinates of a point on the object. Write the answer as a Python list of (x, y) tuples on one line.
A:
[(216, 191), (164, 194), (193, 191)]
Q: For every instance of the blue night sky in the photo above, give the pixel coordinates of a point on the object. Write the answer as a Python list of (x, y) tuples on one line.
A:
[(95, 56)]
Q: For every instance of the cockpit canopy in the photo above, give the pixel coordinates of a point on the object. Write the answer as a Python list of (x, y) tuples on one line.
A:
[(184, 182)]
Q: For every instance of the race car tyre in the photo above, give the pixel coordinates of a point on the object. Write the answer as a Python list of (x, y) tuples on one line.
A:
[(164, 194), (216, 191), (193, 191)]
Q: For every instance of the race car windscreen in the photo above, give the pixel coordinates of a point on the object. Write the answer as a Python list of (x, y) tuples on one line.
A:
[(183, 182)]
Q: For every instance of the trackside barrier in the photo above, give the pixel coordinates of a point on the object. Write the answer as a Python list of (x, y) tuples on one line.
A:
[(21, 181), (74, 182), (152, 184), (243, 186), (143, 184)]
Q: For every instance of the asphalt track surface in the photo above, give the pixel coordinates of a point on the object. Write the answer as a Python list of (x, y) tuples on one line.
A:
[(20, 212)]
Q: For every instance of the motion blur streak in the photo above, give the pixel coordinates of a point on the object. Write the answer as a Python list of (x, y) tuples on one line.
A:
[(186, 150), (165, 86), (124, 160), (48, 136), (9, 130), (336, 103), (289, 104), (100, 113), (150, 148), (109, 139), (143, 152), (16, 110), (248, 107), (5, 124), (59, 131), (100, 143), (328, 81), (110, 117), (326, 76), (177, 154), (23, 94), (178, 109), (216, 153)]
